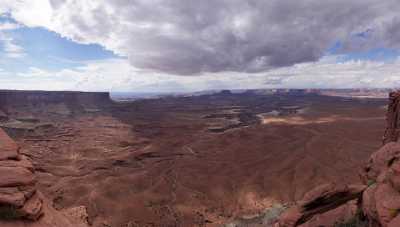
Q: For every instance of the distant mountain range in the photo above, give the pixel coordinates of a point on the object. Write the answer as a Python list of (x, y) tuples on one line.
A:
[(355, 93)]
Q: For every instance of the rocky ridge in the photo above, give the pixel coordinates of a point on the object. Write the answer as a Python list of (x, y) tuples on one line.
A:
[(21, 204)]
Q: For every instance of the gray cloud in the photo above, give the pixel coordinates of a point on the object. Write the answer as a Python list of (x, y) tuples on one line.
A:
[(190, 37)]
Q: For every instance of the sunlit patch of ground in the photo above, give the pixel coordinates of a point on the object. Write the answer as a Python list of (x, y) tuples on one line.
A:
[(299, 120), (250, 202), (296, 120)]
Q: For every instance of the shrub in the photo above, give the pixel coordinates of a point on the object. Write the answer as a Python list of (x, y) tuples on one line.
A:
[(356, 221)]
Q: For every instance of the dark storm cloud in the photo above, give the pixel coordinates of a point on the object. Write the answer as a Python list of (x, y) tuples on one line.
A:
[(188, 37)]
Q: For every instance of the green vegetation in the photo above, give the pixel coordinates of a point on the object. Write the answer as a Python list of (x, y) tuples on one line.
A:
[(371, 182), (356, 221), (393, 212)]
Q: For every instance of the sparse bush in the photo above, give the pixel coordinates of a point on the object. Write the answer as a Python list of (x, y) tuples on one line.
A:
[(371, 182), (356, 221)]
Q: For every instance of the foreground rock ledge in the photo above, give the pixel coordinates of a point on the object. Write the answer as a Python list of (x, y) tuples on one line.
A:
[(21, 205), (321, 199)]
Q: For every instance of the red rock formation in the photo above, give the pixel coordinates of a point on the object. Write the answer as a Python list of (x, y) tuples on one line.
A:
[(320, 200), (393, 118), (379, 199), (21, 205), (17, 182)]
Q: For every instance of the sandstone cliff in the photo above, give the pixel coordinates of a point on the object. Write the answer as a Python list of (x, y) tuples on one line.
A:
[(393, 118), (21, 204)]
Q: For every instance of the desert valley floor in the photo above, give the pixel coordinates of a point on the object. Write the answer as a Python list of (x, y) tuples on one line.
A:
[(192, 161)]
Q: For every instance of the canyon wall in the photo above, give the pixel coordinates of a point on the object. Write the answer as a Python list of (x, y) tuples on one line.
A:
[(393, 118), (21, 204), (11, 97)]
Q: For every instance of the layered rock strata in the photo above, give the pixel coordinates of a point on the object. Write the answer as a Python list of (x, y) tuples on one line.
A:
[(18, 195), (21, 204)]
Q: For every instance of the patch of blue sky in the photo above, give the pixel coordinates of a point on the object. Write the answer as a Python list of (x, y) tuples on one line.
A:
[(376, 54), (379, 54), (47, 50)]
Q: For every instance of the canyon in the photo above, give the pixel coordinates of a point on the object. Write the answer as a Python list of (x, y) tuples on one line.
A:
[(209, 160)]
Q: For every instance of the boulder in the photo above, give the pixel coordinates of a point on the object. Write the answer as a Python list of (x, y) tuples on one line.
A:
[(387, 203), (32, 209), (342, 214), (322, 199), (380, 162)]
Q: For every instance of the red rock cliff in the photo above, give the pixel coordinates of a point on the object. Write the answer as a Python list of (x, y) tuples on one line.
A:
[(393, 118), (21, 204)]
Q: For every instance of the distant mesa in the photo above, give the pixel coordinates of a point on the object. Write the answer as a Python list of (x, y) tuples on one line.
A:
[(226, 92), (27, 112), (14, 97)]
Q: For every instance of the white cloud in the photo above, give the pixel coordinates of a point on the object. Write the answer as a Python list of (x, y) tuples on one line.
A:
[(8, 26), (238, 44), (189, 36), (119, 75), (10, 48)]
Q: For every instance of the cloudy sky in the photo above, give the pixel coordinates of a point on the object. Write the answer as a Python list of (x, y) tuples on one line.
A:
[(192, 45)]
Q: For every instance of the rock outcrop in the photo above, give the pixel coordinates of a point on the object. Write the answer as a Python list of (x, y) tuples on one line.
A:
[(21, 204), (18, 196), (319, 200), (378, 200), (381, 201), (393, 118)]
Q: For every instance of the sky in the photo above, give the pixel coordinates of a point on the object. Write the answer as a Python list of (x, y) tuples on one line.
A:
[(192, 45)]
